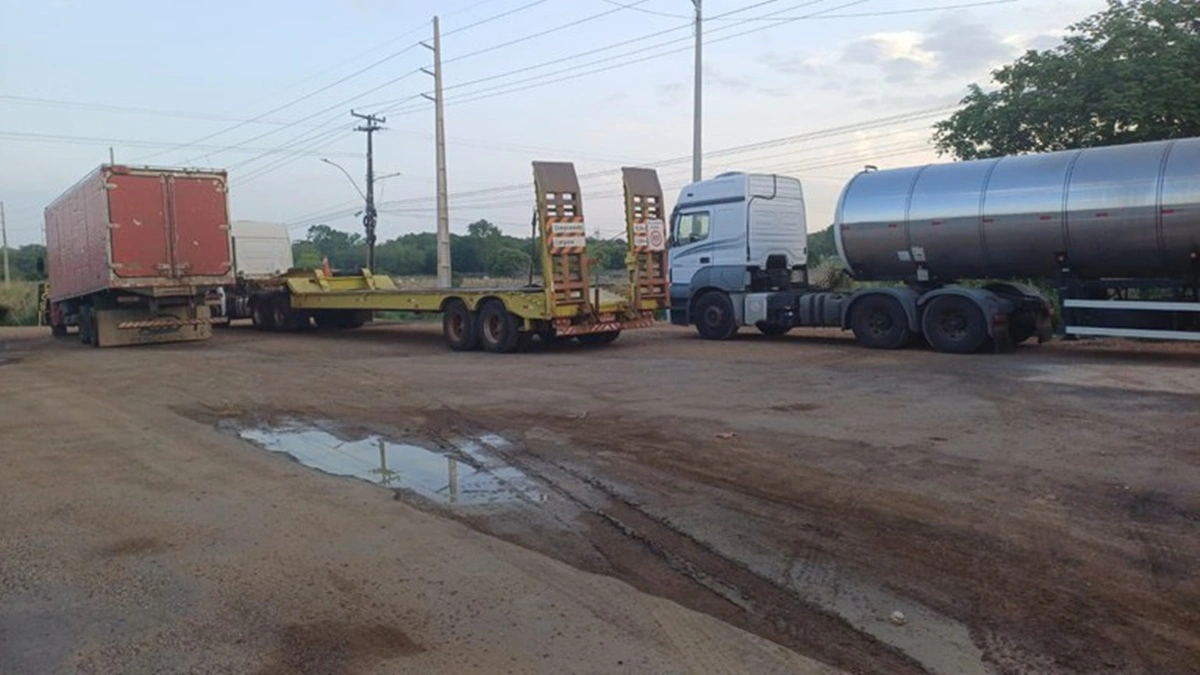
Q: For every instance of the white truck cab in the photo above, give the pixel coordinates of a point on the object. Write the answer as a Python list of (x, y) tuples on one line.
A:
[(741, 234)]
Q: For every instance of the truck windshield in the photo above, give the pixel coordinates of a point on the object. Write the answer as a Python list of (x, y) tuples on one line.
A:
[(691, 228)]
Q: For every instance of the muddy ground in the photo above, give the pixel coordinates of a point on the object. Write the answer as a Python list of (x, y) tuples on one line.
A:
[(662, 504)]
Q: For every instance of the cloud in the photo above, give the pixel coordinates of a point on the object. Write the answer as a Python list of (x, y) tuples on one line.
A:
[(713, 76), (789, 65), (952, 46)]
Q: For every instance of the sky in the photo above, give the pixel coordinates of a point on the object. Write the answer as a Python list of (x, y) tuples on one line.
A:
[(810, 88)]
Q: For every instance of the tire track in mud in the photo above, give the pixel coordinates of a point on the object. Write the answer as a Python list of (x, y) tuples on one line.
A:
[(658, 558)]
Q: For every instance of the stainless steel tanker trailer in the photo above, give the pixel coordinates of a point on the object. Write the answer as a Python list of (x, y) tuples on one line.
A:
[(956, 248)]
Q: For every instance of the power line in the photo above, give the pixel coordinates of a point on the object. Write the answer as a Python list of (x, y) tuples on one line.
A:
[(912, 10), (636, 40), (496, 17), (33, 137), (339, 104), (313, 147), (293, 102), (540, 34), (541, 81), (877, 123), (156, 112)]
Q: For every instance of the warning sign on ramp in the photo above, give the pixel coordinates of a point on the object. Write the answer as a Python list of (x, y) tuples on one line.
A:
[(650, 235)]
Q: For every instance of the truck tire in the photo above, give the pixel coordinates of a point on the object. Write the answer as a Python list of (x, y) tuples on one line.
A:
[(879, 322), (460, 327), (58, 330), (85, 325), (283, 317), (499, 331), (597, 339), (260, 313), (714, 316), (954, 324), (772, 330), (1021, 327), (279, 312)]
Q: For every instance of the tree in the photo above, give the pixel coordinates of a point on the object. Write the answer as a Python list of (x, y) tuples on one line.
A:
[(482, 229), (507, 262), (1124, 75), (821, 246)]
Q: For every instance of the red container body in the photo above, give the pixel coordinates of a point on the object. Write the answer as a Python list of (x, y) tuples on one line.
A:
[(159, 230)]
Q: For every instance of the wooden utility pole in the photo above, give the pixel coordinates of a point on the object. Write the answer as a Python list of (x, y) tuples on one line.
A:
[(443, 197), (370, 216)]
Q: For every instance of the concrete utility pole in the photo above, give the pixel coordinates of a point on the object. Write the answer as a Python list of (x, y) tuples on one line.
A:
[(443, 197), (4, 244), (370, 216), (697, 104)]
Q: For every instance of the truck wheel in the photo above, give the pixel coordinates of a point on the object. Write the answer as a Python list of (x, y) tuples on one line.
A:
[(954, 324), (498, 329), (597, 339), (715, 319), (58, 330), (261, 315), (772, 330), (879, 322), (1022, 326), (85, 323), (460, 327), (280, 316)]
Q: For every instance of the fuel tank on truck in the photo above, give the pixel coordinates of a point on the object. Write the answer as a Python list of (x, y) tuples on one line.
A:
[(1127, 211)]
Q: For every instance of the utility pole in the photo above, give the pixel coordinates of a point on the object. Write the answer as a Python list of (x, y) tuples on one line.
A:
[(697, 104), (443, 197), (370, 126), (4, 244)]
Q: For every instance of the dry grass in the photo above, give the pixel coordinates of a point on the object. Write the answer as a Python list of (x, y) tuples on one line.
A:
[(18, 303)]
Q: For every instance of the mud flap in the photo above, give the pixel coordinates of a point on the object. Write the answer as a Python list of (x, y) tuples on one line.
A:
[(120, 327)]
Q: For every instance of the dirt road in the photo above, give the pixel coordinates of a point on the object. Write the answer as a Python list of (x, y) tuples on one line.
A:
[(660, 505)]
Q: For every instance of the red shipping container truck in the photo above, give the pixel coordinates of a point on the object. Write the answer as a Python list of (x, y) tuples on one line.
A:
[(132, 253)]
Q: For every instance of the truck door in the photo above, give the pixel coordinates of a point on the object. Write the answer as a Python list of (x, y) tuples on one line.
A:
[(201, 232), (137, 215), (691, 248)]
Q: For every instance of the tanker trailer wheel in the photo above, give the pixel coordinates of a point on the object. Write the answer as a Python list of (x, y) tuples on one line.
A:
[(954, 324), (715, 319), (879, 322), (499, 331), (460, 327)]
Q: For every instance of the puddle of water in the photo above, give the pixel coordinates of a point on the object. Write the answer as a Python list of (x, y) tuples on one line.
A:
[(465, 476), (942, 645)]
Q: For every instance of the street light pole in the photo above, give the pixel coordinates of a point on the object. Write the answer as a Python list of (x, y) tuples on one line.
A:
[(699, 81), (346, 173)]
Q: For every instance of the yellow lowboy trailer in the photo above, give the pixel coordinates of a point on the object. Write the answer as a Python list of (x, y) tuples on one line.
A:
[(566, 303)]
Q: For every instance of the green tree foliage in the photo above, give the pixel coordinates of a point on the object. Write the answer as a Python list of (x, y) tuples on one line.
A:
[(484, 251), (23, 262), (821, 246), (1125, 75)]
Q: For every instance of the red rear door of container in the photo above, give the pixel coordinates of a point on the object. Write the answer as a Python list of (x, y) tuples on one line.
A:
[(201, 226), (138, 214)]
